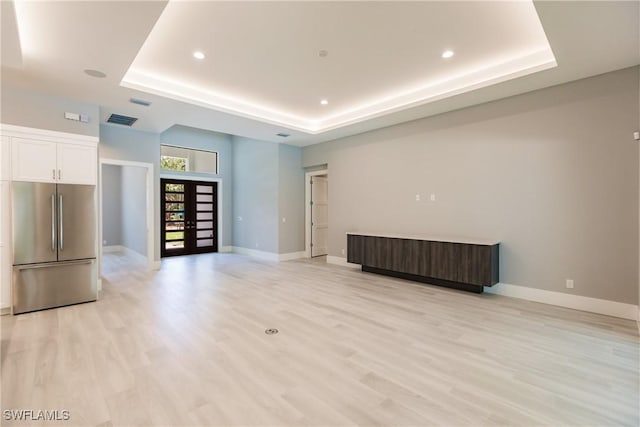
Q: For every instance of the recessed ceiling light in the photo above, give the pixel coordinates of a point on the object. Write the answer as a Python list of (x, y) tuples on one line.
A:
[(95, 73), (198, 55), (447, 54), (324, 102)]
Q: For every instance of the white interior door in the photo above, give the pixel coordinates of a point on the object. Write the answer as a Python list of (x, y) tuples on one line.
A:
[(319, 215)]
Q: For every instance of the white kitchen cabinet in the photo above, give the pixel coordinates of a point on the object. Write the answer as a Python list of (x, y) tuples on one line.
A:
[(46, 161), (77, 164), (5, 159), (33, 160)]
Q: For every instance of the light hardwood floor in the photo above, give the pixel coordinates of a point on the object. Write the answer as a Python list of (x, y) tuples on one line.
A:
[(186, 346)]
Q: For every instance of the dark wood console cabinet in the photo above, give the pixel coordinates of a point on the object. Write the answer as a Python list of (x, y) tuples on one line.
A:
[(459, 264)]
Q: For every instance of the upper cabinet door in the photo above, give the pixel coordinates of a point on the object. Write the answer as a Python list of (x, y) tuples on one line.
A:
[(77, 164), (33, 160), (5, 161)]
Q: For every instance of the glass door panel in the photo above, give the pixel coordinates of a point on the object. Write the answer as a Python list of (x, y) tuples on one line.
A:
[(189, 217)]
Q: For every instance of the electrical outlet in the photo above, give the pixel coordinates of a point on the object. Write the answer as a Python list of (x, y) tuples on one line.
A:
[(284, 219), (104, 243), (569, 283), (417, 197), (432, 198), (342, 251)]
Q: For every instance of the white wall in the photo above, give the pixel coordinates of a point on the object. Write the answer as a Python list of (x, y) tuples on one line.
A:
[(552, 174), (35, 110)]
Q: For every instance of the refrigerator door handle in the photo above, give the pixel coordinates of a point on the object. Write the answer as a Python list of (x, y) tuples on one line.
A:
[(53, 222), (52, 264), (61, 222)]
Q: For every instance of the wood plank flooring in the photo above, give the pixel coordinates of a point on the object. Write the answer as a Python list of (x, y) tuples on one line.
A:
[(185, 346)]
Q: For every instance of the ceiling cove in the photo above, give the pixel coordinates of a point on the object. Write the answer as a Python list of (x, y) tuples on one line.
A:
[(319, 66)]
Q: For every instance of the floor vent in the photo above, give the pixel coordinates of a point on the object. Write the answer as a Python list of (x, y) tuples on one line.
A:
[(121, 120)]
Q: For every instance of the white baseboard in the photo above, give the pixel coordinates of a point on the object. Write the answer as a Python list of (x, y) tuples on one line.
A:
[(137, 256), (226, 249), (124, 250), (341, 261), (291, 255), (153, 265), (5, 310), (577, 302), (267, 256)]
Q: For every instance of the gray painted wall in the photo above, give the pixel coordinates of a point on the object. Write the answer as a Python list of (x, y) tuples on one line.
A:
[(30, 109), (128, 144), (183, 136), (134, 208), (111, 205), (268, 185), (553, 174), (290, 199), (255, 194)]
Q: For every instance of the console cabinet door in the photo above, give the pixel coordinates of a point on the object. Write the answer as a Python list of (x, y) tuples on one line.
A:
[(33, 160), (355, 248), (77, 164)]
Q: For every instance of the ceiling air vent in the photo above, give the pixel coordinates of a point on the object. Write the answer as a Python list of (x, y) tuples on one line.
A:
[(140, 101), (121, 120), (282, 134)]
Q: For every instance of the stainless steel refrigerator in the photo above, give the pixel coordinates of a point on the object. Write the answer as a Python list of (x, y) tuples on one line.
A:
[(54, 245)]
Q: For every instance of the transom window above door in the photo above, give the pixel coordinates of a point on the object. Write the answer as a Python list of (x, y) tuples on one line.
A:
[(179, 159)]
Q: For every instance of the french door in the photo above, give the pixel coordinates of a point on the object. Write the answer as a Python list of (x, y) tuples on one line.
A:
[(189, 217)]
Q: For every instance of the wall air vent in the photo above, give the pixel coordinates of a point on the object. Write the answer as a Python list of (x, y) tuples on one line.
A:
[(282, 134), (121, 120), (140, 102)]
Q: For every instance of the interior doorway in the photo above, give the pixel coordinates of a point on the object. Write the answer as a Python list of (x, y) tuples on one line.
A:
[(317, 213), (189, 222), (114, 205)]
